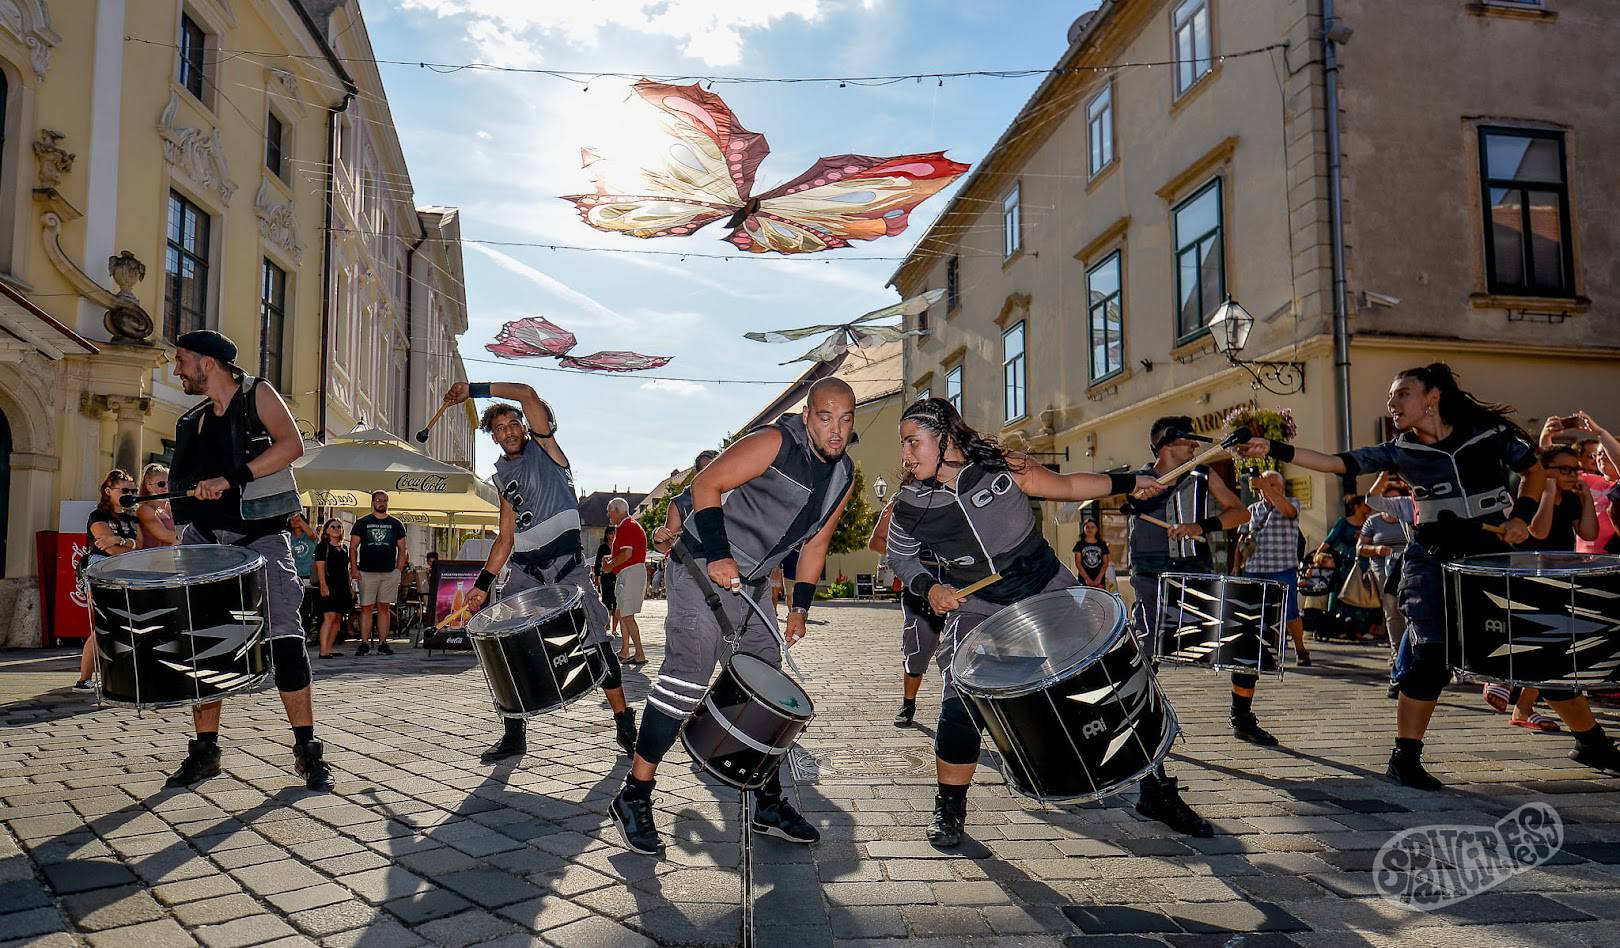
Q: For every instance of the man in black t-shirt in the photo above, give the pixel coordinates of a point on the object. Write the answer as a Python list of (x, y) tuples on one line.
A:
[(376, 562)]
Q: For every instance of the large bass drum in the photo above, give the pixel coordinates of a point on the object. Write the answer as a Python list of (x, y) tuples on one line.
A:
[(1225, 623), (1549, 620), (1067, 695), (751, 716), (179, 625), (532, 648)]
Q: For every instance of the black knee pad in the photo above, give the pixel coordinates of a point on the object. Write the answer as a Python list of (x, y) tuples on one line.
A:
[(1245, 680), (1427, 676), (292, 664), (657, 735), (956, 739), (610, 659)]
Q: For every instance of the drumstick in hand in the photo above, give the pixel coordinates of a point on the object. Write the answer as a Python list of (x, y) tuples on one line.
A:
[(421, 436), (1145, 518), (972, 588), (461, 613), (1209, 454)]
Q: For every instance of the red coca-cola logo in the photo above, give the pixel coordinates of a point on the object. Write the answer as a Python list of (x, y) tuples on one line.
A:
[(425, 483)]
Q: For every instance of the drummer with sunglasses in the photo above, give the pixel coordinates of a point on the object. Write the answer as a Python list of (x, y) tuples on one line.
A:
[(240, 433), (966, 500), (539, 536)]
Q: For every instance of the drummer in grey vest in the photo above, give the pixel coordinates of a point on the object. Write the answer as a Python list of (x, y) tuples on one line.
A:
[(242, 433), (539, 535), (783, 486), (920, 626), (966, 500), (1183, 547)]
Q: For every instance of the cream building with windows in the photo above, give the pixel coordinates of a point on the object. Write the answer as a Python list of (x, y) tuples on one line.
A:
[(163, 168), (1087, 252)]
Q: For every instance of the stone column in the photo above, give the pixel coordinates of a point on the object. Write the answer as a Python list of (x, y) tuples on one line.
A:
[(130, 414)]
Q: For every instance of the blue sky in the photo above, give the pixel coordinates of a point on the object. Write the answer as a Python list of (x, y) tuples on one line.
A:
[(502, 146)]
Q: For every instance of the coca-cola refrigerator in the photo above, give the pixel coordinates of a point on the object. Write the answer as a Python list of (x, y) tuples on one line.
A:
[(64, 602)]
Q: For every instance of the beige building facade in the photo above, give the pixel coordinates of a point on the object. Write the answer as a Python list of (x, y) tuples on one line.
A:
[(1085, 255)]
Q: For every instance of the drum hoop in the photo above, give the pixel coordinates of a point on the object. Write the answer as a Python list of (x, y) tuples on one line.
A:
[(576, 601), (1018, 691), (1602, 563), (254, 685), (175, 580), (761, 699), (1222, 578), (1282, 590), (1159, 756)]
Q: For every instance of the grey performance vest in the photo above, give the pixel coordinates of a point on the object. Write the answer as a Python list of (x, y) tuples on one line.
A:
[(541, 493), (1187, 502), (986, 525), (761, 513)]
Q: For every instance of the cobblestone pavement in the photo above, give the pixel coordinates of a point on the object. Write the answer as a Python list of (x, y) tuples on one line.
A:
[(423, 844)]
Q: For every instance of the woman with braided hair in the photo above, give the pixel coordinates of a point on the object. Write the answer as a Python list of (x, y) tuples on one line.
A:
[(965, 500), (1458, 454)]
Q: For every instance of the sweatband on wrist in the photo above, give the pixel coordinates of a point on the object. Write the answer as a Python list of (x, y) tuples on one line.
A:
[(1210, 525), (1121, 483), (478, 390), (711, 530), (804, 595), (927, 582), (242, 475), (485, 580), (1524, 508), (1280, 451)]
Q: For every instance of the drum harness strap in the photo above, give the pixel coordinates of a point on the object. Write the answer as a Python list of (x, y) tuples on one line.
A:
[(711, 598)]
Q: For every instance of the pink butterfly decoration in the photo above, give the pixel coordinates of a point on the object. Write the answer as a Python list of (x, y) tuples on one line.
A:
[(536, 337)]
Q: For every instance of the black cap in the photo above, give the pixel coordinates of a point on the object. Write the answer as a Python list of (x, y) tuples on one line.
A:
[(217, 346), (1177, 433)]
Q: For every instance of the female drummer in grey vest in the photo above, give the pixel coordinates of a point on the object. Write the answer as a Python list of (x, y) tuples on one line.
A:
[(539, 534), (967, 501), (781, 487), (1458, 454)]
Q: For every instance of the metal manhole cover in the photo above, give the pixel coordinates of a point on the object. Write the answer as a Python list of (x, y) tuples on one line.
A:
[(808, 766)]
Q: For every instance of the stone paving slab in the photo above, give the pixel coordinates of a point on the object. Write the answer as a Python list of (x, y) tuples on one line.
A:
[(423, 845)]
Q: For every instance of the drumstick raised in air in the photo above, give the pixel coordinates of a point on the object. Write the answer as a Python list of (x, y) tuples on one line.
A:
[(972, 588), (1145, 518), (1209, 454), (421, 436)]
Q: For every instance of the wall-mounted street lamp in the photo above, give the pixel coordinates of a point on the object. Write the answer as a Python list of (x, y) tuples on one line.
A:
[(1230, 328), (880, 487)]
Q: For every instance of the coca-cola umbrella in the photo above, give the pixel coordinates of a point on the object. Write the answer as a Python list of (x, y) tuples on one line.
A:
[(370, 460)]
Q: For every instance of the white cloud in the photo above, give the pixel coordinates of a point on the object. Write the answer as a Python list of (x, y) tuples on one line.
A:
[(483, 135), (510, 32), (551, 284), (673, 386)]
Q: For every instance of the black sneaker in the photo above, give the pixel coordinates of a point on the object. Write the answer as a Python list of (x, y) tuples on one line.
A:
[(1245, 727), (950, 819), (625, 723), (507, 746), (1303, 660), (383, 648), (1407, 770), (85, 685), (908, 710), (309, 762), (1604, 756), (202, 762), (634, 818), (1160, 800), (778, 818), (364, 649)]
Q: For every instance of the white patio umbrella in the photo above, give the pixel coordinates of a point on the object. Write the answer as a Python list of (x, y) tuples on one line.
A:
[(344, 473)]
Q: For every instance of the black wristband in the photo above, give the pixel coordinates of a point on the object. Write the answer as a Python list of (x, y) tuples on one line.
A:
[(242, 475), (485, 580), (478, 390), (1280, 451), (1121, 483), (928, 583), (804, 595), (710, 523), (1210, 526)]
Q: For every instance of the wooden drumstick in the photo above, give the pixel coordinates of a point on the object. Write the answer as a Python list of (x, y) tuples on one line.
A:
[(421, 436), (1145, 518), (972, 588), (458, 614), (1209, 454), (1495, 528)]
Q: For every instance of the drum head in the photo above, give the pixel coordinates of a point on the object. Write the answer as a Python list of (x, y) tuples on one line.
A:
[(166, 567), (527, 609), (1040, 638), (770, 685), (1526, 563)]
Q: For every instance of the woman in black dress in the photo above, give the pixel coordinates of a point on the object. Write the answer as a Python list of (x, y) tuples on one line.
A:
[(336, 598), (111, 531)]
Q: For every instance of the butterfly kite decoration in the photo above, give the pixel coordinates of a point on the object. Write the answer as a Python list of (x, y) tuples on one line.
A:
[(704, 169), (538, 337), (855, 334)]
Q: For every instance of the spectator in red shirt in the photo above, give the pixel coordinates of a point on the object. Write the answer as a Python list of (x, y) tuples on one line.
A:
[(628, 564)]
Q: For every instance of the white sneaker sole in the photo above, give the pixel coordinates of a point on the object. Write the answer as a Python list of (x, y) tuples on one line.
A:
[(782, 834)]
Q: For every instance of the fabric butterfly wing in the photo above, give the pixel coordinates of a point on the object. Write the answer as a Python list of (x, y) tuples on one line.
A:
[(791, 335), (910, 306), (614, 360), (702, 171), (531, 337), (841, 199)]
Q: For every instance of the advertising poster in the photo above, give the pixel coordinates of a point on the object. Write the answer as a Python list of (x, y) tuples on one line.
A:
[(448, 587)]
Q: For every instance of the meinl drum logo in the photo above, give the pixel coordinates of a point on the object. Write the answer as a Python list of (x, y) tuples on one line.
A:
[(1431, 867), (425, 483)]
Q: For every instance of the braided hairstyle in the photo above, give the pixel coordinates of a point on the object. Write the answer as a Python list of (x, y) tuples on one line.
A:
[(942, 418), (1459, 407)]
